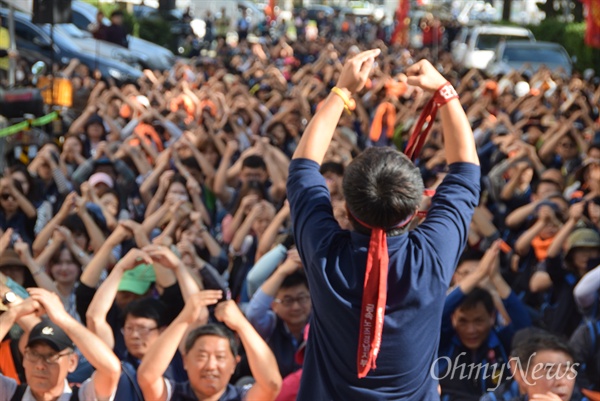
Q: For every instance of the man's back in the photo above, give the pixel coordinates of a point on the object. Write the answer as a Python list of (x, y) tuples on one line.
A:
[(420, 266)]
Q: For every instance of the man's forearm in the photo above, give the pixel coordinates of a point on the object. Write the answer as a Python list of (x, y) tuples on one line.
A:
[(106, 363), (159, 355), (263, 364), (459, 143), (317, 137)]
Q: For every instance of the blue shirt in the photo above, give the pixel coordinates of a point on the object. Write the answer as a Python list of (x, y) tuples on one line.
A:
[(184, 392), (420, 268)]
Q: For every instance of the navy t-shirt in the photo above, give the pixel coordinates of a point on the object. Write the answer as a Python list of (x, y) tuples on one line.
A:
[(184, 392), (421, 265)]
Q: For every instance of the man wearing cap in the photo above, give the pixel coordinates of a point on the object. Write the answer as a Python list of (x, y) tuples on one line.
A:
[(378, 291), (49, 355)]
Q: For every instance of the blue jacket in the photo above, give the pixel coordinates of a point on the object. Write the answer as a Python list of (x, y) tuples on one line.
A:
[(492, 356), (421, 264)]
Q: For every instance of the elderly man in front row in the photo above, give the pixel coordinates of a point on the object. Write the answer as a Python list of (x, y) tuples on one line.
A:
[(49, 355)]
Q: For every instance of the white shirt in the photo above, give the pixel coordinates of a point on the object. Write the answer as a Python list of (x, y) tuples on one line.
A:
[(8, 387)]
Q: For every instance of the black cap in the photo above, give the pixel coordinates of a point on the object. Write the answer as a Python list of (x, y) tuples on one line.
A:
[(48, 332)]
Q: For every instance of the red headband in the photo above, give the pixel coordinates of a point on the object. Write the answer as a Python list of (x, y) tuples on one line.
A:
[(375, 285), (374, 297)]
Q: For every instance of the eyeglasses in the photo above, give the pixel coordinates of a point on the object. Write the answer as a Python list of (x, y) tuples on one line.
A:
[(142, 331), (289, 301), (6, 196), (34, 357)]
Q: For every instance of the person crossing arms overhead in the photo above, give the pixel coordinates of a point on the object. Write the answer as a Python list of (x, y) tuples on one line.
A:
[(378, 291)]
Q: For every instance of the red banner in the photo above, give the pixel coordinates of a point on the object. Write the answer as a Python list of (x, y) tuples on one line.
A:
[(592, 34), (400, 35)]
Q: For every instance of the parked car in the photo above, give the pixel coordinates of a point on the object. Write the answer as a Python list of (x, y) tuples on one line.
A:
[(474, 47), (154, 57), (35, 43), (86, 42), (527, 56)]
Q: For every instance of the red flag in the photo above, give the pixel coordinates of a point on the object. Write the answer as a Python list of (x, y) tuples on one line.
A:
[(270, 10), (400, 35), (592, 34)]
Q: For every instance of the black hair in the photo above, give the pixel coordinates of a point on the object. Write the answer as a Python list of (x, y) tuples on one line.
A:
[(470, 254), (294, 279), (178, 178), (74, 223), (540, 341), (476, 297), (148, 308), (34, 190), (382, 187), (55, 258), (254, 161), (211, 329), (332, 167), (191, 162), (282, 125)]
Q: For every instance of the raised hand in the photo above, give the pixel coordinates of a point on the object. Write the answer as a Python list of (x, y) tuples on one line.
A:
[(5, 239), (424, 75), (120, 234), (51, 303), (356, 71), (27, 307), (196, 302), (232, 147), (68, 205), (165, 179), (248, 202), (546, 213), (22, 249), (185, 247), (133, 258), (576, 210), (64, 234), (192, 186), (162, 255), (230, 314), (490, 260)]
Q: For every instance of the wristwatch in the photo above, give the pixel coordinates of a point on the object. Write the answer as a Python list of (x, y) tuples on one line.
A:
[(9, 298)]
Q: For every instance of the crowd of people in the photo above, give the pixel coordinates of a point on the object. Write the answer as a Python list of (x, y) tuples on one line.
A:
[(147, 252)]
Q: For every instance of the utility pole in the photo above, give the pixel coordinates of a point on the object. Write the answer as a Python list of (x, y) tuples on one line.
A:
[(12, 46)]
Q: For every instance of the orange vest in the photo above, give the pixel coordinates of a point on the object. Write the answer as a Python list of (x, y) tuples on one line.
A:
[(7, 363)]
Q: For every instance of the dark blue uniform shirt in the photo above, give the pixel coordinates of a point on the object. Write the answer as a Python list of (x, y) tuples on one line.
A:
[(421, 265)]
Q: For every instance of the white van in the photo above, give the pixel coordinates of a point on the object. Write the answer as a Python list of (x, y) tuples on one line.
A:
[(474, 47)]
